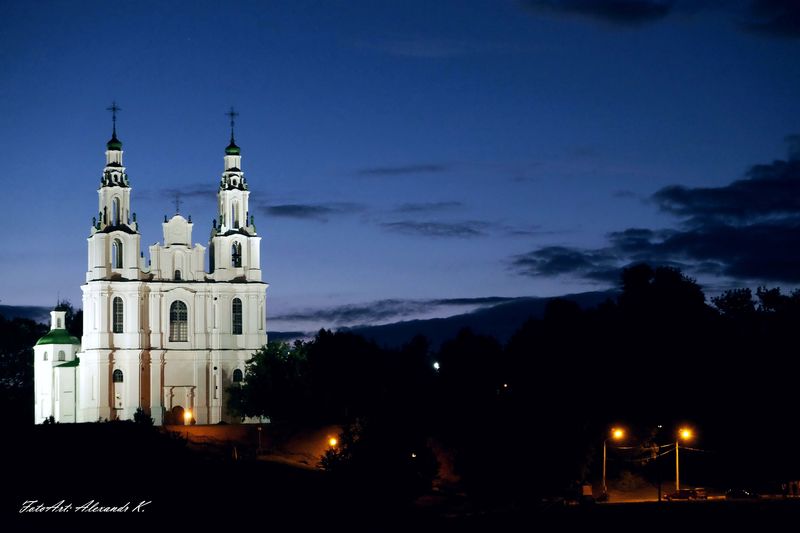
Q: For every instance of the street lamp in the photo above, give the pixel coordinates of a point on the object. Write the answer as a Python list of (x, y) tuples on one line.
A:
[(615, 434), (187, 417), (333, 441), (685, 434)]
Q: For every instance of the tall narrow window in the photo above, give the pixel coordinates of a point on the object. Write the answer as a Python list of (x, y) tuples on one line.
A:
[(118, 315), (177, 275), (115, 212), (45, 356), (116, 254), (61, 355), (237, 376), (178, 322), (117, 376), (235, 214), (58, 323), (236, 316), (236, 254)]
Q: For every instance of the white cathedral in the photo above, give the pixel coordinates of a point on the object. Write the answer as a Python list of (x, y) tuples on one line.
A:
[(165, 336)]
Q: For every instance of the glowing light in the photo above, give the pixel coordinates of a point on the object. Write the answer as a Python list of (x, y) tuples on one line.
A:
[(413, 455), (436, 365), (187, 416), (617, 433), (505, 385), (685, 433), (333, 441)]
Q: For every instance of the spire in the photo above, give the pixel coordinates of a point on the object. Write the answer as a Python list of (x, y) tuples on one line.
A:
[(114, 143), (114, 173), (232, 149)]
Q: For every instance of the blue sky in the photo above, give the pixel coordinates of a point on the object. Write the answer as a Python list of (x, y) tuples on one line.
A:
[(401, 153)]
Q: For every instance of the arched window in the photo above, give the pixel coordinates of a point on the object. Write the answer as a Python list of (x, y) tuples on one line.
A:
[(61, 355), (116, 254), (115, 211), (117, 315), (236, 254), (177, 275), (116, 377), (235, 214), (237, 376), (178, 322), (236, 316), (45, 356)]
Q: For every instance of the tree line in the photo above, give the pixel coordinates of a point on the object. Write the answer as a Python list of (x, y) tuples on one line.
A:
[(528, 418)]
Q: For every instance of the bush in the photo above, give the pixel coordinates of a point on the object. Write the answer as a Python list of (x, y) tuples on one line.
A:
[(141, 417)]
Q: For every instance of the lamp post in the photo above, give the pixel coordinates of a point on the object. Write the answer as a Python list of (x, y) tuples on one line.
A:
[(616, 434), (258, 450), (685, 434)]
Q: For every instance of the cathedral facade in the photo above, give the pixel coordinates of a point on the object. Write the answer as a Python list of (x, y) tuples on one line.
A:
[(164, 335)]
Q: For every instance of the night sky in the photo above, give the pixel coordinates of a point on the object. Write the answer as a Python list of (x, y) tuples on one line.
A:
[(413, 158)]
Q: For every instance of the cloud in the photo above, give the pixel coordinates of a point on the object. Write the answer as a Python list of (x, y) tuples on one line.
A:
[(768, 191), (320, 212), (775, 18), (428, 168), (201, 191), (620, 12), (357, 313), (427, 207), (767, 250), (383, 310), (486, 300), (526, 231), (600, 264), (746, 230), (468, 229)]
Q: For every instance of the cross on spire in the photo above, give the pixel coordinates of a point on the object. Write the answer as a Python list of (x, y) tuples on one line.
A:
[(114, 108), (177, 203), (233, 114)]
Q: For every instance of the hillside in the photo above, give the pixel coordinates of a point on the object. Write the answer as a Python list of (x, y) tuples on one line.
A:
[(35, 313), (499, 321)]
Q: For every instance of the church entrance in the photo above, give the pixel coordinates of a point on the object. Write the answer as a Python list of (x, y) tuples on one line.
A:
[(176, 416)]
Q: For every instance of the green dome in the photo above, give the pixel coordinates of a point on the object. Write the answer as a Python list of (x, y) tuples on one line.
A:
[(58, 336), (232, 149), (114, 143)]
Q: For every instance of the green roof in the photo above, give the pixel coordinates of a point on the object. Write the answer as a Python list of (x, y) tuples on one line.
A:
[(232, 149), (74, 362), (58, 336), (114, 143)]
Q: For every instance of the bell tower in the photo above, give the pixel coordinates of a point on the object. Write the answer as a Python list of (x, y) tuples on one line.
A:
[(114, 240), (234, 246)]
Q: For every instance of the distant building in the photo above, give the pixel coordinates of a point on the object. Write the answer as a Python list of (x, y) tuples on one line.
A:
[(163, 335)]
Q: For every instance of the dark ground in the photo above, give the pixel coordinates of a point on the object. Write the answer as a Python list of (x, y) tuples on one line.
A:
[(119, 463)]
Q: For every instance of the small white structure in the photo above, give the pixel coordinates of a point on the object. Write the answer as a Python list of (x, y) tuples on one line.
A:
[(55, 368), (166, 336)]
